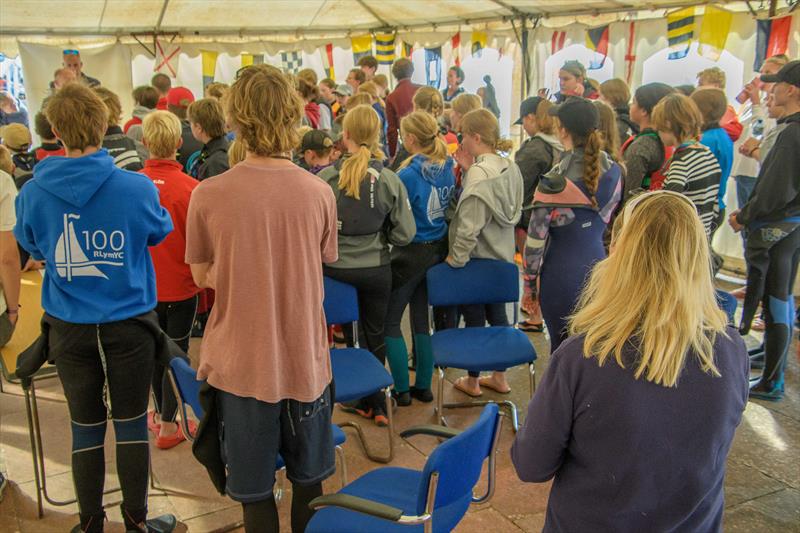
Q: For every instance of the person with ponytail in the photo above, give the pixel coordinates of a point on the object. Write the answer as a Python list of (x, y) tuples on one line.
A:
[(572, 206), (693, 169), (430, 101), (429, 179), (635, 416), (489, 207), (373, 213)]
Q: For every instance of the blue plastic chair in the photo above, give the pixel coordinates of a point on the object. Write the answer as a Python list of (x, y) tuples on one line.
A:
[(481, 281), (390, 499), (356, 372), (187, 392)]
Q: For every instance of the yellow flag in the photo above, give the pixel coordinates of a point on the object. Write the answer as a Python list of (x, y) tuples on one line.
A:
[(209, 65), (479, 40), (247, 60), (714, 31)]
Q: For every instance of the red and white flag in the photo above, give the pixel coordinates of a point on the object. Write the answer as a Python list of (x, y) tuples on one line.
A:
[(557, 41), (167, 57)]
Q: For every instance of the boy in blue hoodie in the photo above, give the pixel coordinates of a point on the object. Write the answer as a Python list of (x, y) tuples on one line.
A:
[(92, 223)]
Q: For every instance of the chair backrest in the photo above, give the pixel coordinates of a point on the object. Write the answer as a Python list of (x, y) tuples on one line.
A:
[(458, 462), (481, 281), (188, 385), (340, 303)]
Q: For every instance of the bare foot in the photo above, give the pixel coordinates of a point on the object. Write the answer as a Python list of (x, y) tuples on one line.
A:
[(468, 385), (497, 382)]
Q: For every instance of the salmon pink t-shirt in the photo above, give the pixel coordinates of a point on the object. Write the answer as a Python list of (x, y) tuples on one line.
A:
[(266, 228)]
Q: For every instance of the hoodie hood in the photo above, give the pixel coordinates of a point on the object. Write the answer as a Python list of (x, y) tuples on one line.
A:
[(551, 140), (503, 193), (74, 179), (141, 111), (431, 172)]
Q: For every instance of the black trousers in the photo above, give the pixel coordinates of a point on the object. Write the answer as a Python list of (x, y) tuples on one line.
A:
[(175, 319), (94, 359), (409, 266), (374, 285)]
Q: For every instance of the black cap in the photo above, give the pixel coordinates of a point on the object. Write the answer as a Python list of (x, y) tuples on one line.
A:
[(316, 140), (789, 73), (528, 107), (577, 115)]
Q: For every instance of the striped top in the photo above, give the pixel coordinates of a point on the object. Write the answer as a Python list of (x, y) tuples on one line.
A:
[(695, 172)]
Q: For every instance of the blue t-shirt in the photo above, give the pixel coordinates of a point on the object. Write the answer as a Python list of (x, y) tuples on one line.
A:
[(430, 189), (720, 144)]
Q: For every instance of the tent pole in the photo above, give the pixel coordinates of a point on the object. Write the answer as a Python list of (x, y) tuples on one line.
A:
[(161, 16)]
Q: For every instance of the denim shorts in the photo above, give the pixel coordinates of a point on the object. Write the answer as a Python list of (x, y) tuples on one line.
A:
[(253, 433)]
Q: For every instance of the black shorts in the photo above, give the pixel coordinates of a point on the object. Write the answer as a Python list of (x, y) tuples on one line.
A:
[(253, 432)]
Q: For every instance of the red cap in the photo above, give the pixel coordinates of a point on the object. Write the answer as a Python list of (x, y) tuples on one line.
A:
[(180, 97)]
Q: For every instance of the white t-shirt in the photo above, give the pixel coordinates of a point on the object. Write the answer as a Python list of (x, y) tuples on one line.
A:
[(8, 216)]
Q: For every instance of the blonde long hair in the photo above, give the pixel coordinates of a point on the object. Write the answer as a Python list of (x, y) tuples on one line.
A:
[(483, 123), (654, 291), (425, 129), (363, 127)]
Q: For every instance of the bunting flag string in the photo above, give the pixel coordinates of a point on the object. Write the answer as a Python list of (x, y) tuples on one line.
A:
[(680, 32), (714, 32), (384, 48), (597, 40), (362, 46), (772, 38)]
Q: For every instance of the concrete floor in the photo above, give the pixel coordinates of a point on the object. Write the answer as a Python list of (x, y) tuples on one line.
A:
[(762, 489)]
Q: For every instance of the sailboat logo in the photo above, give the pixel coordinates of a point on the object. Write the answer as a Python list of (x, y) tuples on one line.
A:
[(71, 260)]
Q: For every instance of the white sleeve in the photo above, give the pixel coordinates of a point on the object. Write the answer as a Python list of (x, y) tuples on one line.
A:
[(8, 194)]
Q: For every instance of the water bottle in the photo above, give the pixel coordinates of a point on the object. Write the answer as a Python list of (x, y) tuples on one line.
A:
[(758, 128)]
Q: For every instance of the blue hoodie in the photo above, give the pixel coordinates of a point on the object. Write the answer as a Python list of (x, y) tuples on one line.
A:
[(92, 223), (721, 146), (430, 188)]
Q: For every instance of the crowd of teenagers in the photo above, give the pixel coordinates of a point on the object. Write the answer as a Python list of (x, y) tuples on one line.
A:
[(180, 221)]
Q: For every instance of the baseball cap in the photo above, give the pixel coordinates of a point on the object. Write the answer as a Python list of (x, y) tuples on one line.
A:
[(316, 140), (577, 115), (16, 136), (180, 97), (343, 90), (528, 107), (789, 73)]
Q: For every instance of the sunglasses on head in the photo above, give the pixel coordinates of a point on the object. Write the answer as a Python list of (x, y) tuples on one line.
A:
[(71, 53)]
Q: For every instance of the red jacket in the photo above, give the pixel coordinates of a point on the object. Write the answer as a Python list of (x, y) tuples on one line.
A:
[(131, 122), (162, 103), (173, 276), (730, 123), (398, 104), (312, 114)]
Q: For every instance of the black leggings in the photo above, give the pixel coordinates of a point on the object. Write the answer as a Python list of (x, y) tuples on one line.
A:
[(778, 307), (476, 316), (262, 516), (89, 358), (374, 285), (410, 264), (175, 319)]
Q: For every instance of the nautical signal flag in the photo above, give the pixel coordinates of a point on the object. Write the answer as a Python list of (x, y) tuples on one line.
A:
[(292, 62), (327, 61), (455, 43), (407, 50), (362, 46), (680, 32), (557, 41), (772, 38), (209, 65), (252, 59), (714, 32), (384, 48), (597, 40), (479, 40)]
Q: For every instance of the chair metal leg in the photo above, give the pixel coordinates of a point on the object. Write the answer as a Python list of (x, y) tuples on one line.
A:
[(532, 375), (342, 465), (441, 406), (37, 450), (492, 470), (361, 437)]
